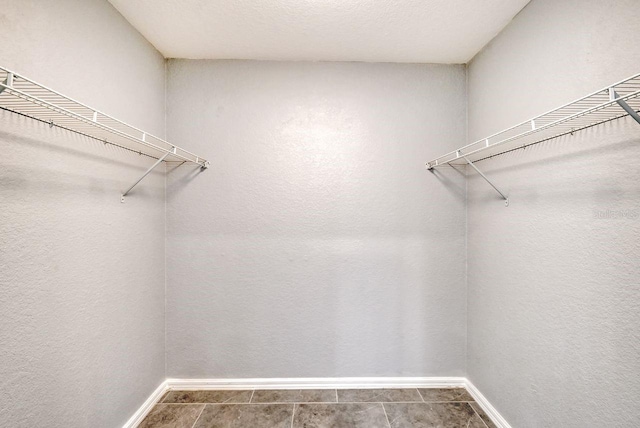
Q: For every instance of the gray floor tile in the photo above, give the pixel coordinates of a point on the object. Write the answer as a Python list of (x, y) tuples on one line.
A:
[(432, 415), (445, 394), (378, 395), (208, 397), (295, 396), (172, 416), (487, 420), (342, 415), (245, 415)]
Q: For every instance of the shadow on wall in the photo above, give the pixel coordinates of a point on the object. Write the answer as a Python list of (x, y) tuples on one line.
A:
[(587, 153), (558, 159), (443, 176), (39, 140), (189, 173), (68, 160)]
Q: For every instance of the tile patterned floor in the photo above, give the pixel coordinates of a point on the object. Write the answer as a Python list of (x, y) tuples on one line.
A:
[(319, 408)]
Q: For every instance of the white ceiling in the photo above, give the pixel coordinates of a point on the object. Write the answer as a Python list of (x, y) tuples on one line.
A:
[(435, 31)]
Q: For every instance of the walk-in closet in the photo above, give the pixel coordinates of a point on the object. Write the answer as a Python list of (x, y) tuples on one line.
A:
[(319, 214)]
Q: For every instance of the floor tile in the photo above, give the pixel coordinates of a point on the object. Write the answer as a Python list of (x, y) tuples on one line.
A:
[(245, 415), (445, 394), (295, 396), (432, 415), (378, 395), (487, 420), (172, 416), (342, 415), (208, 397)]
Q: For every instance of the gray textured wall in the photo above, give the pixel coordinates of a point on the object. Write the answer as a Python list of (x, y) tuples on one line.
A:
[(554, 296), (317, 244), (81, 275)]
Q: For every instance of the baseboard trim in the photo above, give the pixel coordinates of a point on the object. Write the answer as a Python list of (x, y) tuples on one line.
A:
[(146, 407), (316, 383), (482, 401)]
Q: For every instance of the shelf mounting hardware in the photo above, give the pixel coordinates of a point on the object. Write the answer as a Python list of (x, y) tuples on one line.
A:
[(151, 168), (506, 199), (7, 83), (613, 96)]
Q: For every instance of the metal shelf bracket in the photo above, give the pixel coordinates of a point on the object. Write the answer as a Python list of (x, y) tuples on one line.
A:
[(158, 162), (506, 199), (8, 82), (613, 96)]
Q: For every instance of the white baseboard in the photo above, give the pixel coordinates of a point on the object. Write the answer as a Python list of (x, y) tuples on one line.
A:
[(146, 407), (482, 401), (317, 383)]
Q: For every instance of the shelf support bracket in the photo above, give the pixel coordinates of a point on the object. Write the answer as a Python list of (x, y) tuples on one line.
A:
[(613, 96), (7, 82), (158, 162), (506, 200)]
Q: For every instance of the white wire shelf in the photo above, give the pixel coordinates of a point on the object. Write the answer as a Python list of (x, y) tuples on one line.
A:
[(23, 96), (613, 102)]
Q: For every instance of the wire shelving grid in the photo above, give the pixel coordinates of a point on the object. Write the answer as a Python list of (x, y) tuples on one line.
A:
[(23, 96), (613, 102)]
